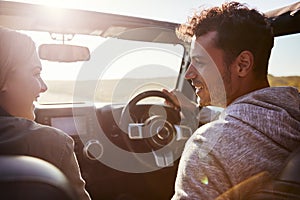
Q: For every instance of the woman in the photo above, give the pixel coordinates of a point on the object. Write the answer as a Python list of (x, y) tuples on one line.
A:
[(20, 86)]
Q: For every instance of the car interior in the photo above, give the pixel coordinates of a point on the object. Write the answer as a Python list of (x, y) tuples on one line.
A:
[(105, 92)]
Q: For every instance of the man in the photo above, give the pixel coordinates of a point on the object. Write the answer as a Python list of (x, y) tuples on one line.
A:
[(259, 127)]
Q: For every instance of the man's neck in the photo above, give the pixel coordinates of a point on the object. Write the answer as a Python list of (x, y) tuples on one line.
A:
[(250, 87)]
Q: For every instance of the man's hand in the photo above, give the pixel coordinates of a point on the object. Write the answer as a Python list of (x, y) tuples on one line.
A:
[(180, 102), (192, 113)]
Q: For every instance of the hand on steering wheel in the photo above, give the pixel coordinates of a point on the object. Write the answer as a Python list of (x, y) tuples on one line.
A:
[(179, 101)]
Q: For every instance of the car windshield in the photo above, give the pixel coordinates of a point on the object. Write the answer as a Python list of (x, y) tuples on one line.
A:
[(117, 70)]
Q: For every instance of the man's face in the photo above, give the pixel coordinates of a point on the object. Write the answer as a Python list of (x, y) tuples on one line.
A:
[(208, 72)]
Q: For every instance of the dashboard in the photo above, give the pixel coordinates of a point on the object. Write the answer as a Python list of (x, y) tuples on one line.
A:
[(95, 130), (63, 116), (67, 124), (78, 121)]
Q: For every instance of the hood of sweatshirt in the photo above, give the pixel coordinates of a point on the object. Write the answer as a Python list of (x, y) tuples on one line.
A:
[(274, 111)]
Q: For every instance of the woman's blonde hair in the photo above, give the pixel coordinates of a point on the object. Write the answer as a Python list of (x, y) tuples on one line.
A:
[(15, 49)]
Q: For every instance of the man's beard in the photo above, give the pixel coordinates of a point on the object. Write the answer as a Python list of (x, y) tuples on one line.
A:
[(217, 90)]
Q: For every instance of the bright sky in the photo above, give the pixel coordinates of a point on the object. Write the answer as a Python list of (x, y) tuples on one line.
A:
[(284, 53), (173, 10)]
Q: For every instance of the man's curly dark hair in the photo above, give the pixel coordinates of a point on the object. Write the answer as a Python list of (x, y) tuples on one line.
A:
[(238, 28)]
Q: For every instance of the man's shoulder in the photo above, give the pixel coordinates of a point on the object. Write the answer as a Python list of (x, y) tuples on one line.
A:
[(211, 130), (214, 131), (212, 126)]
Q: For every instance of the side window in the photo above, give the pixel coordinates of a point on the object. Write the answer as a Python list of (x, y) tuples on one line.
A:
[(284, 65)]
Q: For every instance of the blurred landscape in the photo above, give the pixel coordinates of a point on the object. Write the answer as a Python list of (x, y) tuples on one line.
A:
[(284, 81), (119, 91), (102, 91)]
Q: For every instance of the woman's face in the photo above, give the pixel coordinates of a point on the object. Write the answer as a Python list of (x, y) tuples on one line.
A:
[(23, 86)]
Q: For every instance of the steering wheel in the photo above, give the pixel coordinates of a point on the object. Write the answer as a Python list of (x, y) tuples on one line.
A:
[(153, 123), (158, 126)]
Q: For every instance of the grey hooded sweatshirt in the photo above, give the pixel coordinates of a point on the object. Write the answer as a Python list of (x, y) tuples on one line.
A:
[(255, 133)]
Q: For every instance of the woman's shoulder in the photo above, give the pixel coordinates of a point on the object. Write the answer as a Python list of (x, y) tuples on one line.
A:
[(50, 132), (23, 127)]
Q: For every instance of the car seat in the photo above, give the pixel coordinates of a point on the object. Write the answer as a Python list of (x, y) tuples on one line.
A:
[(262, 186), (25, 177), (286, 185)]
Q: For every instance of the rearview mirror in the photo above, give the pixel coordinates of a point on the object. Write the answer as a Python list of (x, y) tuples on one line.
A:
[(63, 53)]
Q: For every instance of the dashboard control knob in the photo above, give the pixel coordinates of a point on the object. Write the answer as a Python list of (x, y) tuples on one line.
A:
[(93, 150)]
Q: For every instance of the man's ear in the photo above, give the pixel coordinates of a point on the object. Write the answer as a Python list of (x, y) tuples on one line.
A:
[(244, 63)]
